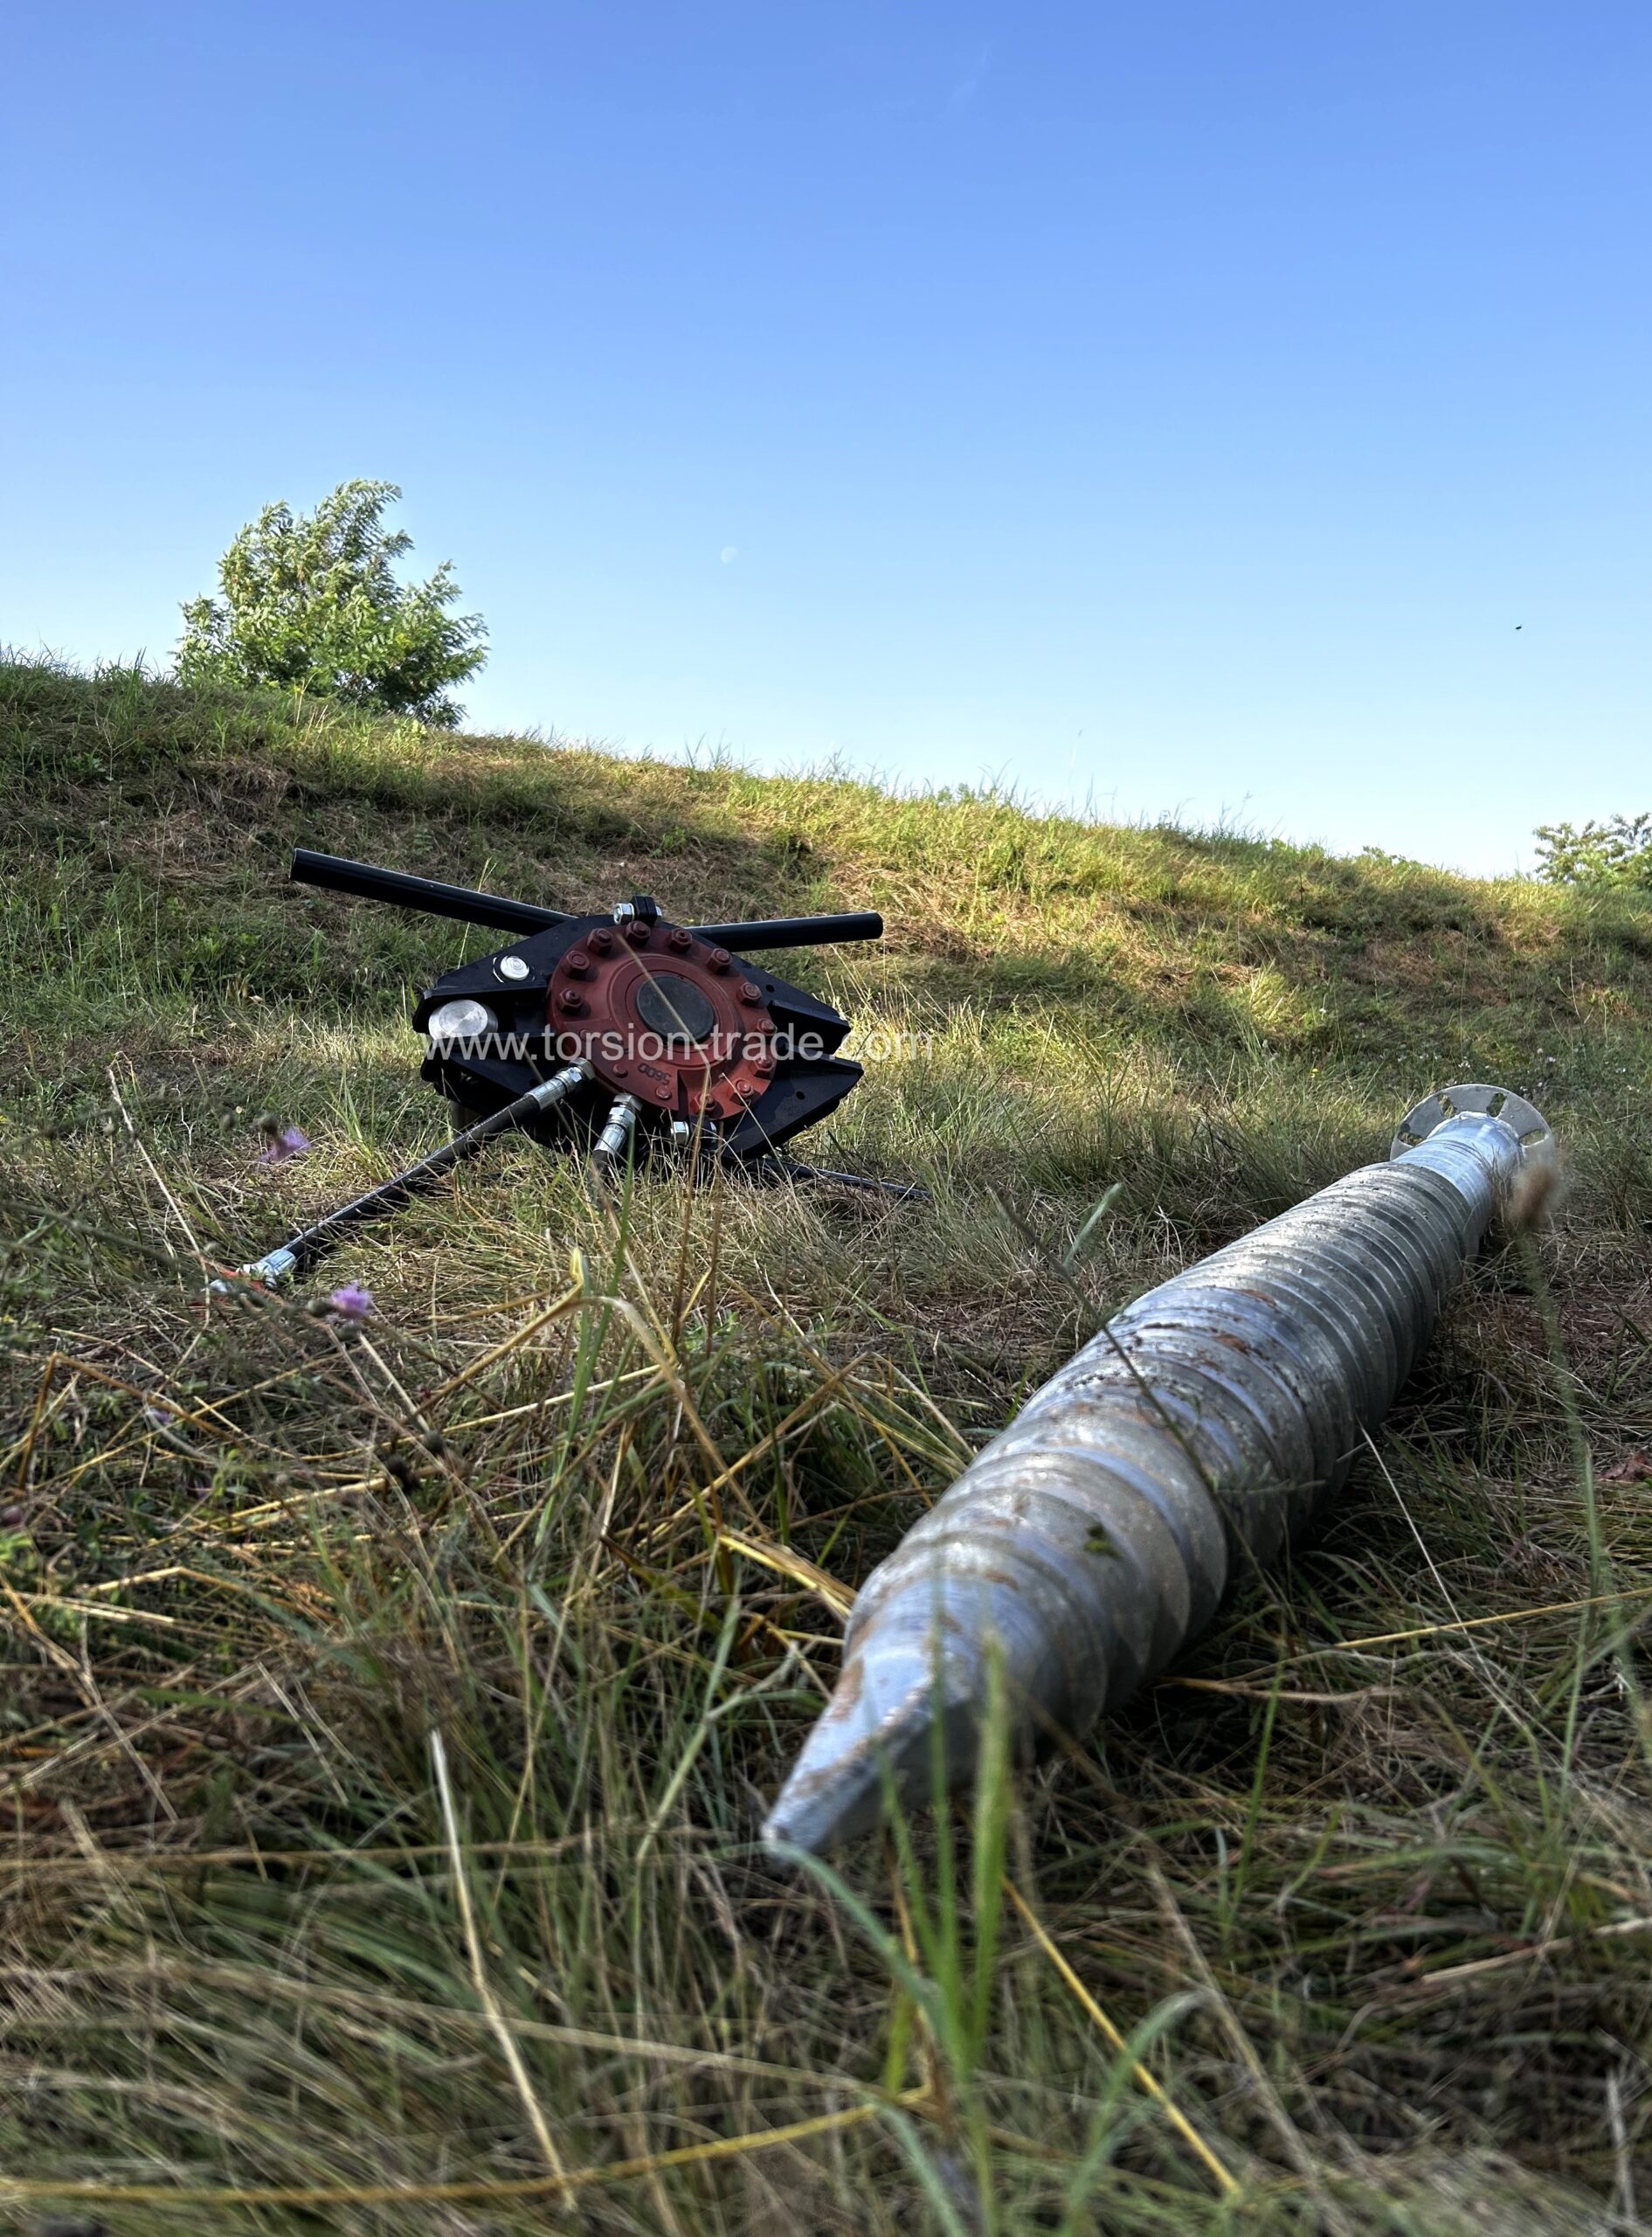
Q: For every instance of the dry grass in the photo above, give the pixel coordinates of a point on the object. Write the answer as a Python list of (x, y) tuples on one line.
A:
[(1364, 1890)]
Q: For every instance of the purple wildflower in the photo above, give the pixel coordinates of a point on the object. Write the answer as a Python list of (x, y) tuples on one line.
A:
[(352, 1302), (285, 1142)]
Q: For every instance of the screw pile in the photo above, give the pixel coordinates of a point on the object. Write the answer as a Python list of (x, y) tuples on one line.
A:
[(1182, 1446)]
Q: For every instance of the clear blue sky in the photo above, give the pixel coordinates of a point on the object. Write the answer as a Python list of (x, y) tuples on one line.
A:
[(1178, 403)]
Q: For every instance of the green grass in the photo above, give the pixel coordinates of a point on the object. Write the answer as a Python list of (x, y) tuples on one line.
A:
[(1377, 1918)]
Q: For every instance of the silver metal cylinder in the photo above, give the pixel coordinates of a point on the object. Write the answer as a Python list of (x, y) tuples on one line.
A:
[(1184, 1444), (612, 1143), (561, 1084)]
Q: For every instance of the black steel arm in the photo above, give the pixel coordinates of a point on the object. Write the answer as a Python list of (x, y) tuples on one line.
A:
[(373, 883), (794, 932)]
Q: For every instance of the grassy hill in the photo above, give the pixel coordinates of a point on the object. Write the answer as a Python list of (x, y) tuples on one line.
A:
[(1366, 1883)]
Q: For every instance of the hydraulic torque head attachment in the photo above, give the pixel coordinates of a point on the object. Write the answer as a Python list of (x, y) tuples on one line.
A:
[(694, 1040)]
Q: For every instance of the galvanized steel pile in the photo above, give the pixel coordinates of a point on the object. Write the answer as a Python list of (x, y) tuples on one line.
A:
[(1183, 1445)]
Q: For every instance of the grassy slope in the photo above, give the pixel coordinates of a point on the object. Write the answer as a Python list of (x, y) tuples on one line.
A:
[(257, 1566)]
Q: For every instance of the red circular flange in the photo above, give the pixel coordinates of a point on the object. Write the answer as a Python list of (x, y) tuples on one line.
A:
[(607, 1003)]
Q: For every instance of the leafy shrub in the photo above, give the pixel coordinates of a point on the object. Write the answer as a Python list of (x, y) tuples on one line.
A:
[(1617, 852), (310, 601)]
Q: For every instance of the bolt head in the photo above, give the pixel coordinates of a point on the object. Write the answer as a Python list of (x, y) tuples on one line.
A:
[(600, 940), (679, 940), (570, 1001), (577, 961), (720, 959), (513, 966), (750, 992), (763, 1064), (637, 932)]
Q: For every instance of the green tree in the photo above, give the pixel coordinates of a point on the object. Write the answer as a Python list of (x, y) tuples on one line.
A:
[(1617, 852), (310, 601)]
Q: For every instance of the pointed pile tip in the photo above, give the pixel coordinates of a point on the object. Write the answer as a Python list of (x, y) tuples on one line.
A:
[(875, 1742)]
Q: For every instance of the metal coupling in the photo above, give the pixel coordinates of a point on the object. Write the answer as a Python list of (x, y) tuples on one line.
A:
[(273, 1269), (615, 1138), (1187, 1442), (561, 1084)]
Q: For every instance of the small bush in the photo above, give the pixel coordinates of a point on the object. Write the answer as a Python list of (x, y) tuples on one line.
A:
[(1617, 852), (310, 601)]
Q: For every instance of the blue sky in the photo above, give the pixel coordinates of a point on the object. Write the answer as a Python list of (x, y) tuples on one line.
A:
[(1176, 404)]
